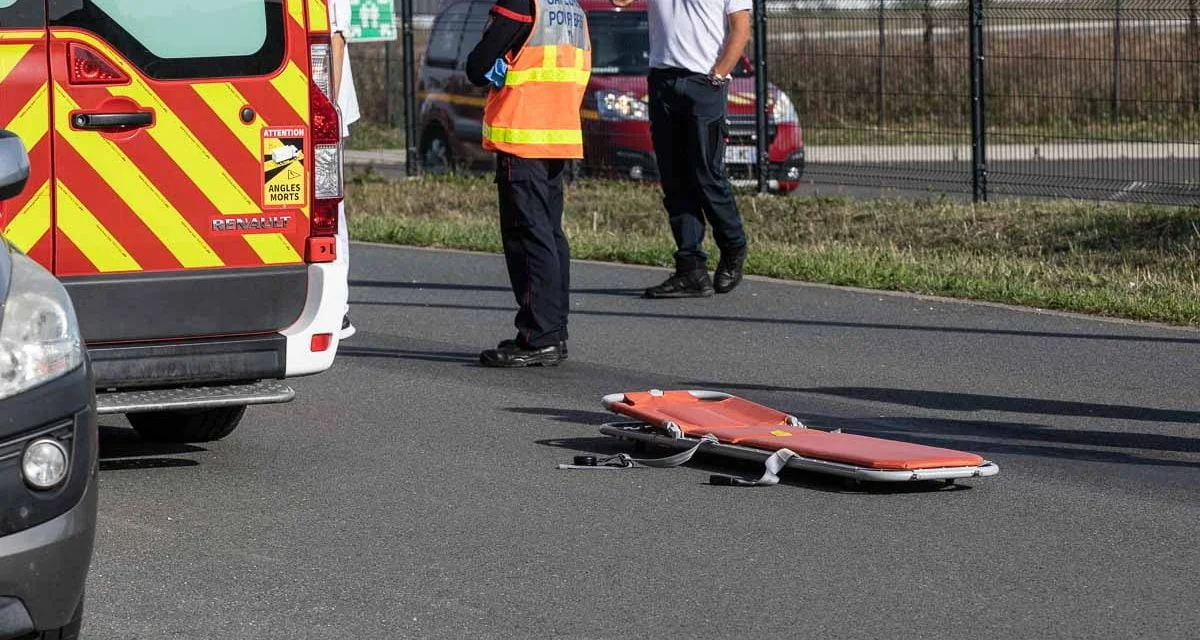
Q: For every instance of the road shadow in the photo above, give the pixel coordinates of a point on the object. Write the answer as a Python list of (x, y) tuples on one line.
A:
[(979, 402), (996, 437), (719, 465), (571, 416), (457, 357), (444, 286), (945, 401), (712, 464), (689, 314), (122, 449)]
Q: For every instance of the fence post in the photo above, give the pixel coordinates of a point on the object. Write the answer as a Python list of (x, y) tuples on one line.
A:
[(410, 90), (760, 93), (978, 106), (387, 86), (1116, 63), (881, 79)]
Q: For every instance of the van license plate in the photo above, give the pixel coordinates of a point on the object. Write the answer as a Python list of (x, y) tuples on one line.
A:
[(740, 155)]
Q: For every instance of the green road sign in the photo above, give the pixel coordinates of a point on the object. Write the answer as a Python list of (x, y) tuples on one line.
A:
[(372, 20)]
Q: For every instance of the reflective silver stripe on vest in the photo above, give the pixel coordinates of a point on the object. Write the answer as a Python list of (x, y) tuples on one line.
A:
[(560, 22)]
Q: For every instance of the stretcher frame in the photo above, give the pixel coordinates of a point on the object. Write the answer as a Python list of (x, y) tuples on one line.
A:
[(670, 436)]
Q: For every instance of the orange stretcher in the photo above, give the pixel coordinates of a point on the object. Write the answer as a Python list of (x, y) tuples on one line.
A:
[(727, 425)]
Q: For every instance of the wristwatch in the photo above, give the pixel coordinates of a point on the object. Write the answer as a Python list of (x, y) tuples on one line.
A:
[(719, 81)]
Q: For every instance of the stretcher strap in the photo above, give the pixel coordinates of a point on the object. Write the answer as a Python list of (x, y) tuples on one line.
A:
[(625, 461), (774, 464)]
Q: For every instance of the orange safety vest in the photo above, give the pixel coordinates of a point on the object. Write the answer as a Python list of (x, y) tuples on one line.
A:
[(536, 113)]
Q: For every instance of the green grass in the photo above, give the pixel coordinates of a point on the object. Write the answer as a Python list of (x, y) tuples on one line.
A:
[(366, 135), (1130, 261)]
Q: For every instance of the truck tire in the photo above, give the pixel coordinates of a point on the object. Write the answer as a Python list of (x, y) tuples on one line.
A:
[(188, 425)]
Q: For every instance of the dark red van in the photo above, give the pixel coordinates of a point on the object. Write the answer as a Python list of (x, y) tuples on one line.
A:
[(616, 127)]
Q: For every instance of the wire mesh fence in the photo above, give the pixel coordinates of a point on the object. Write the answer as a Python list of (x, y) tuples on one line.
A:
[(1094, 99)]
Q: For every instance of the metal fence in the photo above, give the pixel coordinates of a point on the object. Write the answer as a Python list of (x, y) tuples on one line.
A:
[(1095, 99)]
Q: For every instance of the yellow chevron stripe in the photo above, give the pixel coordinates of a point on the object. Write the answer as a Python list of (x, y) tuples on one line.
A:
[(318, 16), (273, 248), (132, 186), (208, 173), (22, 34), (10, 55), (223, 98), (292, 84), (296, 10), (31, 123), (86, 232), (32, 222)]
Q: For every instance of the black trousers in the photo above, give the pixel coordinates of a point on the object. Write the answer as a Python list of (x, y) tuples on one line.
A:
[(687, 125), (535, 247)]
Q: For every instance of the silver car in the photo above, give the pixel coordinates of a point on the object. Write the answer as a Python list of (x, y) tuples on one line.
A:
[(48, 441)]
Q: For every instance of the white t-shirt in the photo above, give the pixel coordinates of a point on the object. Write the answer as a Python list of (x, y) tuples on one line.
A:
[(339, 20), (688, 34)]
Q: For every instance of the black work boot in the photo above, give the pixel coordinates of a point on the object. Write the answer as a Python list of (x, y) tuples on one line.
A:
[(562, 347), (729, 269), (510, 354), (692, 283)]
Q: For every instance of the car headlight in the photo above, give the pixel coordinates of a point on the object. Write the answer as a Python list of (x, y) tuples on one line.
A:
[(614, 105), (783, 110), (39, 334)]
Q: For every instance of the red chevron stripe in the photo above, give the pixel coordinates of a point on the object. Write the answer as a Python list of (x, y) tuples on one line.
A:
[(114, 214), (196, 115), (69, 259), (39, 174), (20, 86), (197, 210), (271, 107)]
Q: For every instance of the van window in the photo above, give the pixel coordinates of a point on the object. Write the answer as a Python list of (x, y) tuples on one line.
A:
[(477, 20), (22, 14), (190, 29), (443, 43), (174, 39)]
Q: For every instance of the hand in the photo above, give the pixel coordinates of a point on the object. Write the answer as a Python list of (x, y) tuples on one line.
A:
[(718, 79), (621, 4)]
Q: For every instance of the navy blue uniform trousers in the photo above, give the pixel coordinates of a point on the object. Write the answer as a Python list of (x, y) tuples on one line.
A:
[(687, 126), (535, 247)]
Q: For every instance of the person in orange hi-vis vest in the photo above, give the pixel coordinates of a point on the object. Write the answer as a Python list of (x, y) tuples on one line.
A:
[(537, 56)]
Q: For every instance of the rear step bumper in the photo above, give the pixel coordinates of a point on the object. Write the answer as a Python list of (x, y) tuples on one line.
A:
[(263, 392)]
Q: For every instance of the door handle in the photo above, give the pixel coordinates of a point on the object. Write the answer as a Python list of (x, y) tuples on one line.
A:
[(125, 120)]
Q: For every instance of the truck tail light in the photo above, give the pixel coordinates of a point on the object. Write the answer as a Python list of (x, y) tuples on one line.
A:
[(326, 126), (88, 67)]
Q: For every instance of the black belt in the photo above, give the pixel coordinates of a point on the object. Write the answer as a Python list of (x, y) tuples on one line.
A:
[(673, 72)]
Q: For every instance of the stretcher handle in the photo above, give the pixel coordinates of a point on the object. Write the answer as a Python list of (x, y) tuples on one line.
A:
[(616, 398)]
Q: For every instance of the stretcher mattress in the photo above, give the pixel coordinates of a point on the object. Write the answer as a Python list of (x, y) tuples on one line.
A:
[(737, 421)]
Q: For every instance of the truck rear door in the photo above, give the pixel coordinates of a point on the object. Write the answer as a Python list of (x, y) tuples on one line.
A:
[(181, 157), (25, 111)]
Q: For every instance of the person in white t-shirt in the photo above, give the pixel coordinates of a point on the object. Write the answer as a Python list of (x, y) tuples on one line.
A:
[(694, 47), (347, 102)]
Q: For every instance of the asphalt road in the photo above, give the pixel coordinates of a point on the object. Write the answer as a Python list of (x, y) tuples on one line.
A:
[(410, 493)]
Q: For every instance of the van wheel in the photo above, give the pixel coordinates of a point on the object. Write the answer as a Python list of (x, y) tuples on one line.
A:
[(187, 425), (436, 157)]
